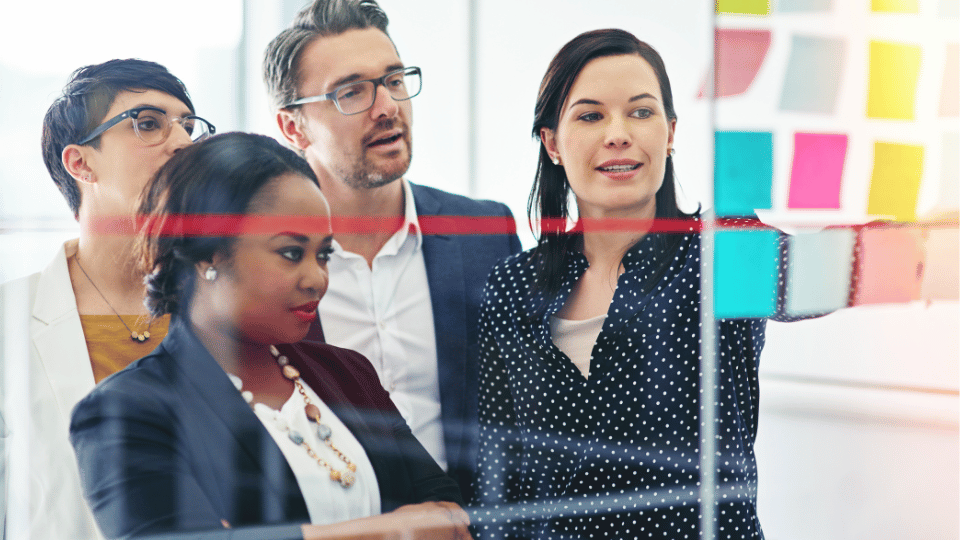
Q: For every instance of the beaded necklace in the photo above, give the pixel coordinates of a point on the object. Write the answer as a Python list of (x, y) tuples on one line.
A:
[(345, 477)]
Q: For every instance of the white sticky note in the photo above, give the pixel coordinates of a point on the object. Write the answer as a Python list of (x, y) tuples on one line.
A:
[(820, 266)]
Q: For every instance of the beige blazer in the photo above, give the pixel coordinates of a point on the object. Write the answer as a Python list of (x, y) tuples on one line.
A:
[(58, 375)]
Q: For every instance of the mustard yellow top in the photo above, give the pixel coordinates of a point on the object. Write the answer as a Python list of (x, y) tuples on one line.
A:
[(110, 346)]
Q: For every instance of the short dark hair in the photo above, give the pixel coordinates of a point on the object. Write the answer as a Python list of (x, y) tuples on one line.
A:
[(551, 189), (281, 70), (84, 103), (220, 175)]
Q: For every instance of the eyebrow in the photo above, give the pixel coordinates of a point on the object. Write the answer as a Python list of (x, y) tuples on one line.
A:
[(357, 77), (297, 237), (187, 110), (638, 97)]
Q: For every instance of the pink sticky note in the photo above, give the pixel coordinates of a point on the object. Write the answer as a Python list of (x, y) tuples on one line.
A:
[(950, 89), (890, 265), (941, 278), (739, 55), (817, 170)]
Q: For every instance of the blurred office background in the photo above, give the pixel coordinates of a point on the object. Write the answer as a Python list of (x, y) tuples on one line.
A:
[(858, 434)]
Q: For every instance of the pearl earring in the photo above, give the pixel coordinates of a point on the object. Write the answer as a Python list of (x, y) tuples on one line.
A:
[(210, 274), (556, 160), (672, 151)]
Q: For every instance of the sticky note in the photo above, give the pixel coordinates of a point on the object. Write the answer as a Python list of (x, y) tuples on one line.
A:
[(950, 88), (817, 170), (890, 265), (894, 69), (895, 182), (948, 195), (744, 7), (745, 273), (819, 268), (743, 172), (949, 9), (812, 78), (941, 267), (894, 6), (795, 6), (739, 55)]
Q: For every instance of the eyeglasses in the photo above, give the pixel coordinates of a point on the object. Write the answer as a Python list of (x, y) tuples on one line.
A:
[(153, 126), (359, 96)]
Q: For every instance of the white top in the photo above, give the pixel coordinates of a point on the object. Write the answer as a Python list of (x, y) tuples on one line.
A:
[(385, 314), (576, 339), (327, 501)]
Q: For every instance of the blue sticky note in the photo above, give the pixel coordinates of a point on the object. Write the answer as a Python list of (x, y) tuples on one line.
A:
[(819, 267), (745, 273), (812, 80), (742, 172), (793, 6)]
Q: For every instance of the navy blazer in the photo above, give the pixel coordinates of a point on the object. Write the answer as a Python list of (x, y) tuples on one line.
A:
[(457, 268), (168, 444)]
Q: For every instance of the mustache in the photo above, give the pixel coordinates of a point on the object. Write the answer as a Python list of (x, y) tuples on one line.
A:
[(382, 125)]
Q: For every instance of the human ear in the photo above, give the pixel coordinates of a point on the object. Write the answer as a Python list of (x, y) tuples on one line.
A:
[(672, 130), (75, 162), (289, 124), (549, 139)]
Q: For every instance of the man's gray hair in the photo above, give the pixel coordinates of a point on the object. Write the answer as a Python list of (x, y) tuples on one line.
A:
[(321, 18)]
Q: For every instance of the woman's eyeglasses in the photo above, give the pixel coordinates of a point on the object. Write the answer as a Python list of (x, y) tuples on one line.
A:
[(153, 126)]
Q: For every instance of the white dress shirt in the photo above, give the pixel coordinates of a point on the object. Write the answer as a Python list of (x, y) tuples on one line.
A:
[(384, 312)]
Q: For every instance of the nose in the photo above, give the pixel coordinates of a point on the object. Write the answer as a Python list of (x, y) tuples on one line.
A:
[(179, 138), (617, 135), (315, 277), (384, 106)]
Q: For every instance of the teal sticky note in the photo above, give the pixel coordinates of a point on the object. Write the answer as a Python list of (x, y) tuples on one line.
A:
[(742, 172), (812, 80), (800, 6), (745, 273), (819, 267)]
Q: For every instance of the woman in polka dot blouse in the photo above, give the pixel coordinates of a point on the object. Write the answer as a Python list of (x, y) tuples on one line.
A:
[(589, 384)]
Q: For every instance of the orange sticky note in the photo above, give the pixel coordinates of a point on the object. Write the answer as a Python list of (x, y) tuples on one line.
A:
[(739, 55), (890, 265), (950, 89), (941, 278), (894, 6), (894, 70), (895, 183)]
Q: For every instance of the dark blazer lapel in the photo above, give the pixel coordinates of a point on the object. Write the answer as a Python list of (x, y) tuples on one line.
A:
[(443, 258), (204, 380)]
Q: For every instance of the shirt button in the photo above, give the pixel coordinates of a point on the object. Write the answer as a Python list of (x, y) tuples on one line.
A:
[(382, 325)]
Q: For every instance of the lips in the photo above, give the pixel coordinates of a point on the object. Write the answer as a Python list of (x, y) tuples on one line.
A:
[(307, 312), (385, 139), (619, 166)]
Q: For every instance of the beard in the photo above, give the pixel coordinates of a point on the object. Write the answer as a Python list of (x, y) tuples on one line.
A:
[(363, 173)]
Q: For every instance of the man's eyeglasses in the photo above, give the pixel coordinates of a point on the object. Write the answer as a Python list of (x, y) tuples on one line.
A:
[(356, 97), (153, 126)]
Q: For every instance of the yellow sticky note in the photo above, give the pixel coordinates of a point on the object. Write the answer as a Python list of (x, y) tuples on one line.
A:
[(895, 183), (895, 6), (894, 69), (744, 7)]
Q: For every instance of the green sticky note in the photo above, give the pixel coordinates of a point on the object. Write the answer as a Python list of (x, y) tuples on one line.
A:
[(742, 172), (745, 273), (745, 7)]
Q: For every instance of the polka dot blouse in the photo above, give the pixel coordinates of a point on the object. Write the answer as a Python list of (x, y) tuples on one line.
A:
[(615, 455)]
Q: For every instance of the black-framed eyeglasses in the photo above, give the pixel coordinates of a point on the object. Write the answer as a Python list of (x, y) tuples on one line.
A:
[(152, 125), (359, 96)]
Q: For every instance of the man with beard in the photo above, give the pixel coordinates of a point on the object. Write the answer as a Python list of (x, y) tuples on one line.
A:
[(406, 300)]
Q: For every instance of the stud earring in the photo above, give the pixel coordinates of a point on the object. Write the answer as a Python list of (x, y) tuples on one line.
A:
[(556, 160), (672, 151), (210, 274)]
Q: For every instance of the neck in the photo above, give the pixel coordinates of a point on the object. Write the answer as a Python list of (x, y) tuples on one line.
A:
[(606, 248), (108, 265), (378, 213)]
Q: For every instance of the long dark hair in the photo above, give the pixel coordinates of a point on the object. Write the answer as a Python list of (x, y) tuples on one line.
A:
[(551, 189), (220, 175)]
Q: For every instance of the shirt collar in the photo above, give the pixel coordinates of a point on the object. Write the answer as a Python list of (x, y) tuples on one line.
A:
[(410, 226)]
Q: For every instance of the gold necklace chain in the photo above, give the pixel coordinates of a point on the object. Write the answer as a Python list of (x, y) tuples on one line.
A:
[(133, 335), (346, 477)]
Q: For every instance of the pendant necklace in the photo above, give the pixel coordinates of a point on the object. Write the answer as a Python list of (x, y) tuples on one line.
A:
[(133, 335)]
